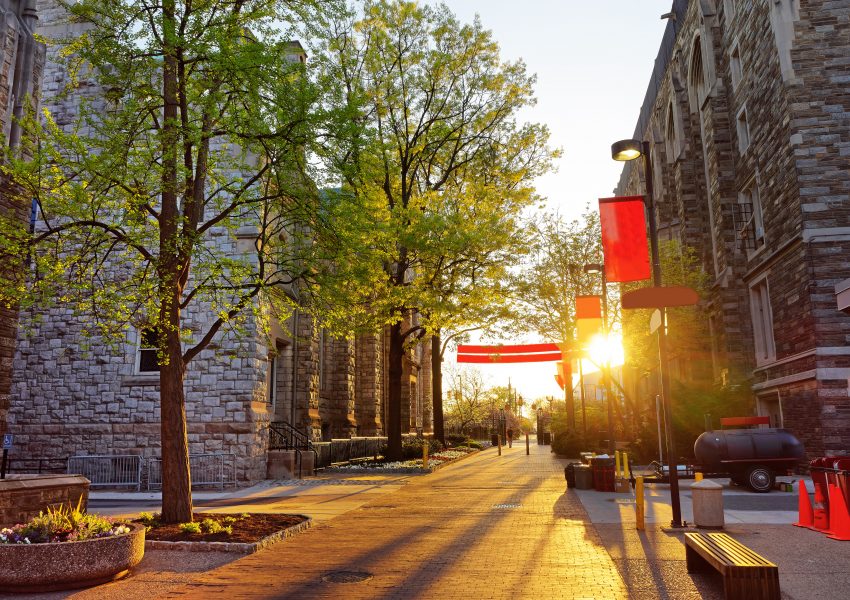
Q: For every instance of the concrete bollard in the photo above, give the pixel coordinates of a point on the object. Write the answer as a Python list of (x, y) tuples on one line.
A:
[(708, 504)]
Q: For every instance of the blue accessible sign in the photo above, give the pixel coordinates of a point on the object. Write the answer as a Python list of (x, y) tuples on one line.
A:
[(7, 441)]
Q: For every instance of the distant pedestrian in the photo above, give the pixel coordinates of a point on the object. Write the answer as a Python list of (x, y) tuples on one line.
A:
[(510, 438)]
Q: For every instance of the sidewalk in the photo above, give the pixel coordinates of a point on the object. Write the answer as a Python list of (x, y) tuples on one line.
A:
[(488, 527)]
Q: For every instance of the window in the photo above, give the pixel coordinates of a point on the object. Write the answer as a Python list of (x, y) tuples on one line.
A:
[(148, 345), (735, 66), (671, 135), (697, 88), (770, 406), (743, 127), (762, 322), (271, 380)]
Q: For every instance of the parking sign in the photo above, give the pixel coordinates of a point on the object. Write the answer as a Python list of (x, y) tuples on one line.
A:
[(7, 441)]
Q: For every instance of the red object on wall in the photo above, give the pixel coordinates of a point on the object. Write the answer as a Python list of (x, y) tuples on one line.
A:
[(733, 421), (624, 242)]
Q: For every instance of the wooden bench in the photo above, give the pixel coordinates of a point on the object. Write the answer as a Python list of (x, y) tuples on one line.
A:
[(746, 574)]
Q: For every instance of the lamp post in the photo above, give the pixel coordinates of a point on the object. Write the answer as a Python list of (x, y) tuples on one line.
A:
[(593, 269), (625, 150)]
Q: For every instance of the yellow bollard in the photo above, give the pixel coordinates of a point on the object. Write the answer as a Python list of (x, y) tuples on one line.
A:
[(499, 440), (626, 473), (639, 506), (425, 455), (617, 464), (697, 476)]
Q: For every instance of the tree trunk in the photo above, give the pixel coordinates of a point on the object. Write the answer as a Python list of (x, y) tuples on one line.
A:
[(394, 396), (437, 387), (176, 479), (570, 399)]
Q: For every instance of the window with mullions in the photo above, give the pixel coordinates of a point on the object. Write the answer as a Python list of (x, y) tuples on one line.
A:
[(148, 345)]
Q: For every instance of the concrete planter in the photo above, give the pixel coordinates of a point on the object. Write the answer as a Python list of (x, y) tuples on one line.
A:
[(67, 565)]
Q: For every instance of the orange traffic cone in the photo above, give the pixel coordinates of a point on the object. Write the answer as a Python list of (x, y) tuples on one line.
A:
[(820, 522), (805, 514), (839, 518)]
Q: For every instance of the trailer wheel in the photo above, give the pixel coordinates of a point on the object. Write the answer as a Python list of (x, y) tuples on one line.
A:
[(760, 479)]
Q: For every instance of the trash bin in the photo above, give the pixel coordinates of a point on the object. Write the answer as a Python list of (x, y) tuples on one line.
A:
[(570, 475), (707, 497), (584, 478), (547, 438), (494, 439), (603, 473)]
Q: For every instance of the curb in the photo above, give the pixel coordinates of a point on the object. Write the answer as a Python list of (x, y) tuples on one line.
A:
[(235, 547)]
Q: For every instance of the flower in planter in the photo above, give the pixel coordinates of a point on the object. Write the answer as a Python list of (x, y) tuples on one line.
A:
[(62, 524)]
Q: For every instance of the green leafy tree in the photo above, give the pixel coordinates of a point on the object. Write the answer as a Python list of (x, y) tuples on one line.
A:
[(183, 191), (435, 171)]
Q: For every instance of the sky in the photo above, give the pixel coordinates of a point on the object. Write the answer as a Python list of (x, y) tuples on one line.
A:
[(593, 61)]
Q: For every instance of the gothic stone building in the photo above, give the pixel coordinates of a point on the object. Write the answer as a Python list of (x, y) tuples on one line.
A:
[(748, 117), (22, 63), (68, 401)]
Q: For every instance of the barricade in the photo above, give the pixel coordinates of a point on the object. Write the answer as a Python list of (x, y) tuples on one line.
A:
[(830, 514), (805, 514)]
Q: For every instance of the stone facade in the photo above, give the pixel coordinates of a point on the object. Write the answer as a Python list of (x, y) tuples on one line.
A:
[(77, 396), (748, 118), (22, 62)]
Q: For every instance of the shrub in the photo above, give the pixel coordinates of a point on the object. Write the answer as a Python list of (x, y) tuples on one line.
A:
[(456, 439), (569, 444), (411, 447), (473, 444), (190, 527)]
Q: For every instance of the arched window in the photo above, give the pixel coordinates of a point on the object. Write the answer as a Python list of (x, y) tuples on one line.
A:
[(671, 135), (696, 76)]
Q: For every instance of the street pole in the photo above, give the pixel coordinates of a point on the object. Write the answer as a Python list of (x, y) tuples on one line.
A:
[(581, 391), (662, 344), (606, 370)]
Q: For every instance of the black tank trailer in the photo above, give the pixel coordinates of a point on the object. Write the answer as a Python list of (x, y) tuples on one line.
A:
[(751, 457)]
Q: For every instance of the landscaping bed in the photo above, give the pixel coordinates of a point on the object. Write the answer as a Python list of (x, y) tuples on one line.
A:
[(243, 528), (414, 465)]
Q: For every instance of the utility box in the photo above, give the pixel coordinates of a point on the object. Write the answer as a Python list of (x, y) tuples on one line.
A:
[(708, 504)]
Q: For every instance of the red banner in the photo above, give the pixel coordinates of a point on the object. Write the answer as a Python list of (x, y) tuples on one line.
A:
[(509, 358), (507, 349), (624, 242), (588, 307)]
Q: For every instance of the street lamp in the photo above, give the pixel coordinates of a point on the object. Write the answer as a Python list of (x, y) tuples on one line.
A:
[(625, 150), (598, 269)]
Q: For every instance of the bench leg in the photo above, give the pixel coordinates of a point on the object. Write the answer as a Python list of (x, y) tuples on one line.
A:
[(695, 562), (754, 584)]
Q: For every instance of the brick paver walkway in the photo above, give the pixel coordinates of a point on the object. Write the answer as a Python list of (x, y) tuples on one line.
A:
[(488, 527)]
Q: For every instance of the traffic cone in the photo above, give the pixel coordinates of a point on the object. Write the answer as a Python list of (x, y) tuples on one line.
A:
[(839, 518), (805, 514), (820, 522)]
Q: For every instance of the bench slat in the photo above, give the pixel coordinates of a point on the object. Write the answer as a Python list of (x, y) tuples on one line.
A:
[(746, 574)]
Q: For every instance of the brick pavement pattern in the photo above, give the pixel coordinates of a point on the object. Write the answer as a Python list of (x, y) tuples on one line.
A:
[(488, 527)]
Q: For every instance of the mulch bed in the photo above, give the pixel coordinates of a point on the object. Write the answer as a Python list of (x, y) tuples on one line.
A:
[(251, 528)]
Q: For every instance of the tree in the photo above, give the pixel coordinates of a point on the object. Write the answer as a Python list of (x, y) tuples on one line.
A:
[(144, 201), (434, 165), (469, 400)]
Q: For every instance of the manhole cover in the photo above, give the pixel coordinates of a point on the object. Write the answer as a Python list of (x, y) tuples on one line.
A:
[(506, 506), (346, 577)]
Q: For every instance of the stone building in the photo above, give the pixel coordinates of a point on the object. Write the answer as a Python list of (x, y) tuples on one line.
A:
[(74, 398), (22, 63), (748, 117)]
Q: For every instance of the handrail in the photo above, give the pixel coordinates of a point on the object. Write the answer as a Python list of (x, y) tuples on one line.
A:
[(283, 436)]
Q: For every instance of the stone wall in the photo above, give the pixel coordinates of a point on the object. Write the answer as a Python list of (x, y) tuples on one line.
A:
[(22, 61), (22, 497), (781, 64)]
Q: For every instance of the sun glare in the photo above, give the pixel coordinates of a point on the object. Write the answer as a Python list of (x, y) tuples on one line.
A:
[(608, 349)]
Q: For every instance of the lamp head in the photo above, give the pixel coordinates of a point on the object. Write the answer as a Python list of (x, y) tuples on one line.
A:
[(593, 268), (626, 150)]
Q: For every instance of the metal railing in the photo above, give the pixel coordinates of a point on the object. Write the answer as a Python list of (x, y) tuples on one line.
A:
[(118, 470), (283, 436), (206, 469)]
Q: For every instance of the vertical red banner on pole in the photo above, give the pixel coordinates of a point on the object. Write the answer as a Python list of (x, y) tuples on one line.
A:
[(624, 243)]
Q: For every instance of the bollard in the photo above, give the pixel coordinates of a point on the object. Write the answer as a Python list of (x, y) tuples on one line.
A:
[(626, 473), (425, 455), (527, 448), (697, 476), (499, 441), (639, 504), (617, 464)]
